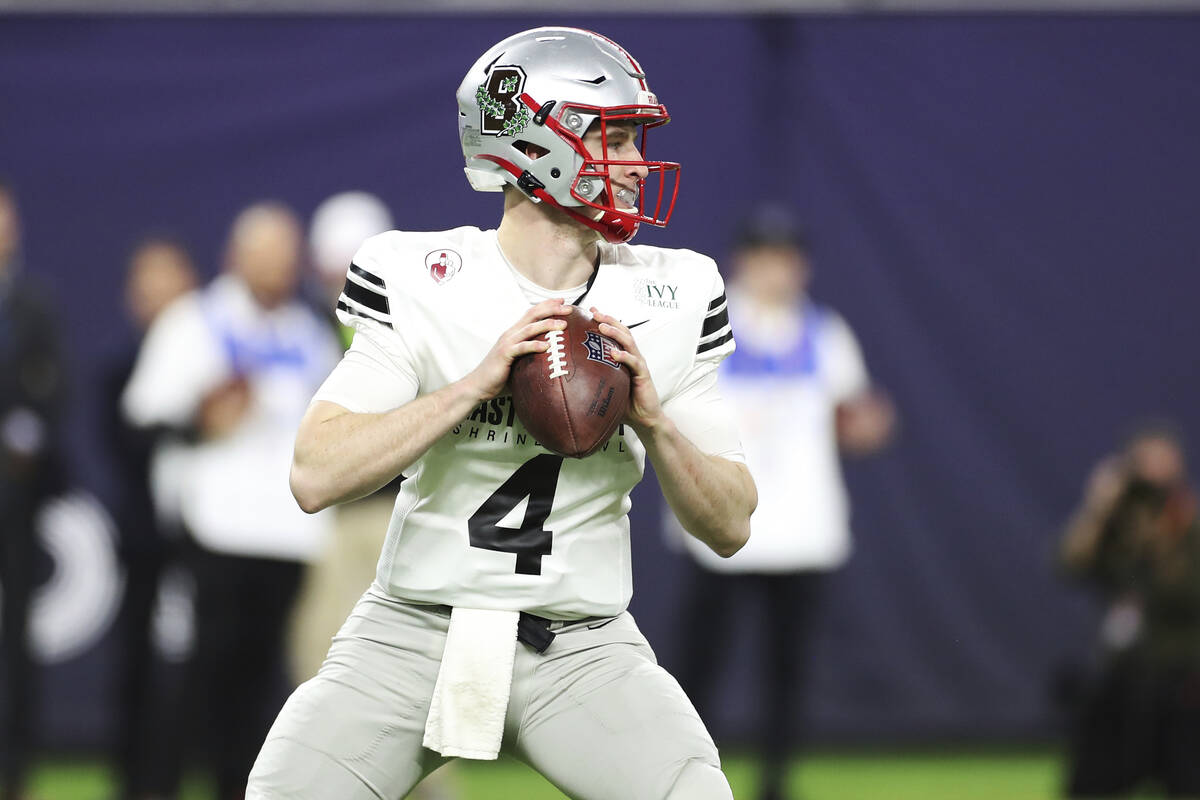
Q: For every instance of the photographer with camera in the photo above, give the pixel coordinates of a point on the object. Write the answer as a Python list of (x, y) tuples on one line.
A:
[(1136, 539)]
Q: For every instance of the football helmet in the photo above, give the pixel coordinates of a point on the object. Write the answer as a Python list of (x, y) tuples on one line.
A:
[(524, 108)]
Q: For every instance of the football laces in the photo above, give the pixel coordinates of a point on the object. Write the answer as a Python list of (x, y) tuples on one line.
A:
[(556, 356)]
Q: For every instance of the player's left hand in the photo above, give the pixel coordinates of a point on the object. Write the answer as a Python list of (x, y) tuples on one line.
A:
[(645, 410)]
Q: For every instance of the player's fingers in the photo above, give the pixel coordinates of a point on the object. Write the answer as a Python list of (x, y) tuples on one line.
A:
[(600, 316), (635, 363), (612, 322), (620, 334), (541, 327), (524, 348), (555, 306)]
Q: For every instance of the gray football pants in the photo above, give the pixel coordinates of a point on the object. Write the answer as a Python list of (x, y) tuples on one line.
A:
[(594, 714)]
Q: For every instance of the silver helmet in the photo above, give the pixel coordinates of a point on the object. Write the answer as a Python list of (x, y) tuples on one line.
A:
[(524, 108)]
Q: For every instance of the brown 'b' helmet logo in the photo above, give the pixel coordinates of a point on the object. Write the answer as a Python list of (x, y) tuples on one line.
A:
[(500, 112)]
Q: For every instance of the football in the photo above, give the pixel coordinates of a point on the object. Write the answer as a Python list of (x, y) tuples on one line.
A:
[(572, 397)]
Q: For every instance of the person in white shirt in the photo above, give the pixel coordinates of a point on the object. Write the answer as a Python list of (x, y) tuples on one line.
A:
[(234, 365), (344, 569), (497, 620), (800, 392)]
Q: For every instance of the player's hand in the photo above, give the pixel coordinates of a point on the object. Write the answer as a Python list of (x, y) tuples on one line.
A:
[(488, 379), (645, 409)]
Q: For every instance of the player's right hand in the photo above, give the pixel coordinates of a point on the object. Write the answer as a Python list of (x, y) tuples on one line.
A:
[(489, 378)]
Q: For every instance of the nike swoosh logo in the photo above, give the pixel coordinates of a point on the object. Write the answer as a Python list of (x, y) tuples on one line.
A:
[(634, 325)]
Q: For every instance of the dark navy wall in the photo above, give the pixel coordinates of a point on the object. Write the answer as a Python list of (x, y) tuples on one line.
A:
[(1003, 207)]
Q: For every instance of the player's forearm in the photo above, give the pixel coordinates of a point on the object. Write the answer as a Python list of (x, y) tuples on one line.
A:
[(341, 456), (712, 497)]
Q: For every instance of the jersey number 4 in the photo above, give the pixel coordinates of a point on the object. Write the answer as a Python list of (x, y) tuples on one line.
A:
[(536, 479)]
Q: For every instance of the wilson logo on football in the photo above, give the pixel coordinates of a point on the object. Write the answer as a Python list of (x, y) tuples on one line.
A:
[(443, 265)]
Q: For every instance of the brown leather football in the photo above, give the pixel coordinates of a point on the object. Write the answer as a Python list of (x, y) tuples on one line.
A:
[(572, 397)]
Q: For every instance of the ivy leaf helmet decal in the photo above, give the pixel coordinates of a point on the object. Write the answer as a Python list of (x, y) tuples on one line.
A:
[(501, 113)]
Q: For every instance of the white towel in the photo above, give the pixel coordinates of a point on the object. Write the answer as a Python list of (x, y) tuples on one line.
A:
[(470, 698)]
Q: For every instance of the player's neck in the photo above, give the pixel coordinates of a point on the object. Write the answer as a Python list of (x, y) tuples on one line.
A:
[(545, 245)]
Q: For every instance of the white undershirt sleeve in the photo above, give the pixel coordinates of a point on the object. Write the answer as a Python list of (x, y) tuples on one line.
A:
[(700, 413), (375, 375)]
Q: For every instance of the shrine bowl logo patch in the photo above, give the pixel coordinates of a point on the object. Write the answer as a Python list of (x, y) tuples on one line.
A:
[(443, 265), (599, 348)]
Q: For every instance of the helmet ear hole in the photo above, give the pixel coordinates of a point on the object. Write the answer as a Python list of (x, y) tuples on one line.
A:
[(529, 149)]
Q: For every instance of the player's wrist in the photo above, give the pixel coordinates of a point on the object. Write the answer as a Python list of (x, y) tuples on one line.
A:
[(655, 430), (475, 387), (465, 394)]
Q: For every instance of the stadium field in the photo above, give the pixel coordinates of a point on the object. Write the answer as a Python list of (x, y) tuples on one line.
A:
[(876, 776)]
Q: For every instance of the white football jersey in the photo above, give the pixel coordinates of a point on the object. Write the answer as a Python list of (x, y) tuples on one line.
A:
[(487, 518)]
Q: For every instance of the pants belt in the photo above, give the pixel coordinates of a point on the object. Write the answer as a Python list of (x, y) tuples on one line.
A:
[(538, 632)]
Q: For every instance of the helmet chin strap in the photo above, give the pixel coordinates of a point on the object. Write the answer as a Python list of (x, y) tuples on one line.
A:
[(614, 227)]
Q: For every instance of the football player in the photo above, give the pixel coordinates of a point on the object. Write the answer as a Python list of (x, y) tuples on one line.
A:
[(497, 620)]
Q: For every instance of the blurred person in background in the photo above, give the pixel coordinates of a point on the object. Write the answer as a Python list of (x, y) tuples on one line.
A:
[(346, 567), (238, 362), (801, 392), (148, 741), (32, 380), (336, 580), (1135, 539), (339, 226)]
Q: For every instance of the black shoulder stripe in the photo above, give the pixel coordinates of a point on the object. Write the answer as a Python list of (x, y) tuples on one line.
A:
[(364, 296), (367, 276), (716, 303), (715, 323), (343, 307), (704, 348)]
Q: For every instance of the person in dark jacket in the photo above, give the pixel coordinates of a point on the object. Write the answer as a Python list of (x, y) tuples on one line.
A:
[(1136, 540), (148, 745), (31, 400)]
